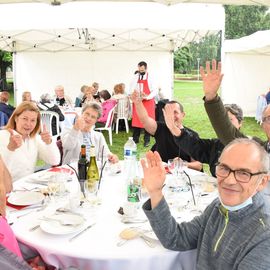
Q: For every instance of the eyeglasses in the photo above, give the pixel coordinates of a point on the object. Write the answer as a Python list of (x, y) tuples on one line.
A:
[(266, 119), (239, 175)]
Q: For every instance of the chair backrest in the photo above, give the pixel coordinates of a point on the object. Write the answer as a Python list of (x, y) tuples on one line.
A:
[(261, 104), (123, 108), (110, 117), (3, 119), (47, 119)]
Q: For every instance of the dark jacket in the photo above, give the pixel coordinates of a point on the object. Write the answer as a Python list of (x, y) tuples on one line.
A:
[(222, 125), (166, 146), (203, 150), (7, 109)]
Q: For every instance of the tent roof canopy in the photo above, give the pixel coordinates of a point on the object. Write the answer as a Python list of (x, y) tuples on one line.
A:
[(106, 26), (257, 43), (166, 2)]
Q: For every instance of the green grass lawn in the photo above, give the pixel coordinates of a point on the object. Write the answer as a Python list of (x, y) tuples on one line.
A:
[(190, 94)]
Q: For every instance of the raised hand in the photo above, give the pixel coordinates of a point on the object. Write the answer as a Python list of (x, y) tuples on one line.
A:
[(211, 79), (79, 123), (113, 158), (168, 112), (135, 97), (154, 173), (143, 95), (15, 140), (45, 135)]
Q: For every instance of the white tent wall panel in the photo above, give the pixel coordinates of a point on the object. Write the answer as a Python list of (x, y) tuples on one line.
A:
[(245, 78), (41, 72)]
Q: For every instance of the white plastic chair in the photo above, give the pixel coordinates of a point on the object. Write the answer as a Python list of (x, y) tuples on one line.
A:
[(46, 118), (261, 104), (123, 108), (108, 125)]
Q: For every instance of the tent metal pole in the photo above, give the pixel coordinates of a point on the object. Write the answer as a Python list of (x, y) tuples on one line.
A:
[(14, 54)]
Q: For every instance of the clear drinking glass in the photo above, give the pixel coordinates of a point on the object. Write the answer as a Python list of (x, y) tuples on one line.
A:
[(139, 88), (177, 167)]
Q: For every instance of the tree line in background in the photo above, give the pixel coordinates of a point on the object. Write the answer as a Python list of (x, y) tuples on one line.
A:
[(240, 21), (5, 62)]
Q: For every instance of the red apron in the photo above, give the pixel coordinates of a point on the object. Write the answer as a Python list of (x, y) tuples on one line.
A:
[(149, 105)]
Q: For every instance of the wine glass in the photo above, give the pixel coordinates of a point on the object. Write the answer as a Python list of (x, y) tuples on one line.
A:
[(139, 88), (180, 180), (172, 166)]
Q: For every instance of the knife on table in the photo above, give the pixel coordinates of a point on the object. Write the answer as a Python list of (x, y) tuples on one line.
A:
[(81, 232)]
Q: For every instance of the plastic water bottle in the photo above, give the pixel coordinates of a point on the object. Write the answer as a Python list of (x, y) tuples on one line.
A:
[(130, 151), (131, 173)]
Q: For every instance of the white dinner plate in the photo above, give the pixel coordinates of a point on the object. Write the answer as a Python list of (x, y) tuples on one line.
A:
[(204, 178), (25, 198), (42, 177), (52, 226)]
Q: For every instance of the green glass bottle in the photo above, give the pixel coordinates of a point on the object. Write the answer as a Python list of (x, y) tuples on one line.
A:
[(82, 164), (92, 171)]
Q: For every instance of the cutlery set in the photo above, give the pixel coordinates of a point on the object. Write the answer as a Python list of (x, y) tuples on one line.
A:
[(133, 233)]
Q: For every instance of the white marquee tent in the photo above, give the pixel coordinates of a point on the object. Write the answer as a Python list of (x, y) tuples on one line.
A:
[(84, 41), (246, 68), (80, 42), (166, 2)]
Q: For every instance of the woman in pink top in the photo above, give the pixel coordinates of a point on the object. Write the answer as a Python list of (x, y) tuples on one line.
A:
[(107, 104)]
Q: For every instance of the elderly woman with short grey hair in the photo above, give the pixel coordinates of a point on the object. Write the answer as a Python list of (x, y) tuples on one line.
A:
[(83, 132)]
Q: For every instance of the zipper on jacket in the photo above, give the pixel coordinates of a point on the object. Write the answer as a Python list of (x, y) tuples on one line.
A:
[(226, 214)]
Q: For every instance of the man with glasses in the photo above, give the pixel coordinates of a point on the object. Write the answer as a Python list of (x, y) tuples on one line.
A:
[(233, 231)]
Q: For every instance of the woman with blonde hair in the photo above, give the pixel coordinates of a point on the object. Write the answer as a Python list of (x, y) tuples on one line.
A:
[(119, 91), (122, 102), (88, 96), (26, 96), (21, 145)]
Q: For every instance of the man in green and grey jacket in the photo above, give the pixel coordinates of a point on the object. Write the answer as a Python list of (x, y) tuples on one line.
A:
[(233, 232)]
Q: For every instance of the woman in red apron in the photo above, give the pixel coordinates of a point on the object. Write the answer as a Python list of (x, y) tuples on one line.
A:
[(148, 104)]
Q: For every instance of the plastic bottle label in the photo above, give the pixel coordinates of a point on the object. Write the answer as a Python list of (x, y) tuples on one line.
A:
[(130, 153), (134, 193)]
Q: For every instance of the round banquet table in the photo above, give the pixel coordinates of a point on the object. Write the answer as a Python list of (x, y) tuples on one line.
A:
[(97, 247)]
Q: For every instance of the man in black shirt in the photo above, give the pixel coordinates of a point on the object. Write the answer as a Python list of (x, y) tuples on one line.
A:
[(165, 144)]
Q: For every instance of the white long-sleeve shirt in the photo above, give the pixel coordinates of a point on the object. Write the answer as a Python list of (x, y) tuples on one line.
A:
[(152, 87), (73, 139), (22, 161)]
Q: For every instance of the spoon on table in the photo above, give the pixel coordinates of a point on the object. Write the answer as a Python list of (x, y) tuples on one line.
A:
[(130, 233), (63, 222)]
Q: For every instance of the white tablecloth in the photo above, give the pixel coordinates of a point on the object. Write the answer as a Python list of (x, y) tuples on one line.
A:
[(96, 249)]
